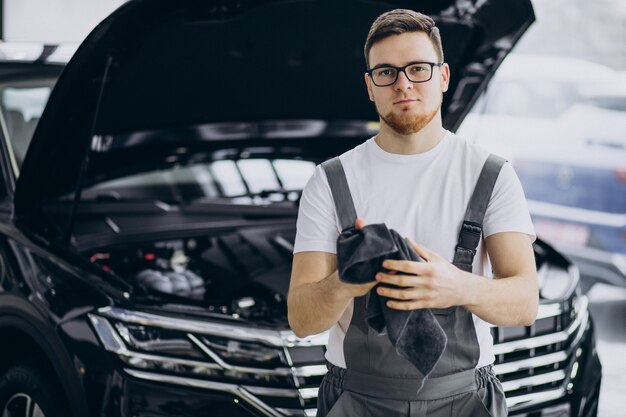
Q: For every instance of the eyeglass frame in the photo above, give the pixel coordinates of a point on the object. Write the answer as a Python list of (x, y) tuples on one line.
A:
[(402, 69)]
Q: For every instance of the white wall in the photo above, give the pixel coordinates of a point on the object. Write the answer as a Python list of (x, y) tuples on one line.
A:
[(53, 21)]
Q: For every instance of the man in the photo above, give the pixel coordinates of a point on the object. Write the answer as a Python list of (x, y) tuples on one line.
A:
[(417, 178)]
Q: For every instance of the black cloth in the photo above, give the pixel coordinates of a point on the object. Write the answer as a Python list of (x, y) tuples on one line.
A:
[(416, 335)]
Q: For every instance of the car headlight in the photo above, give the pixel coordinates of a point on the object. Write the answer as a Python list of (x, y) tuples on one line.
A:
[(556, 283), (160, 341), (223, 353), (237, 352)]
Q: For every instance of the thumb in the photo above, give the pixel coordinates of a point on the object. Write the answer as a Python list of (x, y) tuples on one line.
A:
[(422, 251), (359, 223)]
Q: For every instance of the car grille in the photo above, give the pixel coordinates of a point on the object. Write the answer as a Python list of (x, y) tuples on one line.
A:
[(538, 363)]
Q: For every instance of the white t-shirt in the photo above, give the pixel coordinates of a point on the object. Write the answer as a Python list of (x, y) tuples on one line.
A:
[(423, 196)]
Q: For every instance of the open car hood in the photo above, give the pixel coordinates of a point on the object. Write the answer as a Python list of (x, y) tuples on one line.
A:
[(161, 79)]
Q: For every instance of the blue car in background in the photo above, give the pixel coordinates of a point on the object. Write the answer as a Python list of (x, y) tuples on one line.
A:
[(578, 203)]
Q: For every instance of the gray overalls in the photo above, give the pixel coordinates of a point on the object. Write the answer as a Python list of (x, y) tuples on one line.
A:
[(377, 382)]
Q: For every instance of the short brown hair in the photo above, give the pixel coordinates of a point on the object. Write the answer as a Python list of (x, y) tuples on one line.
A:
[(399, 21)]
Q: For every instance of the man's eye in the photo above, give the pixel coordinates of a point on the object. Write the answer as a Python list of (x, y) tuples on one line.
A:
[(417, 68), (386, 72)]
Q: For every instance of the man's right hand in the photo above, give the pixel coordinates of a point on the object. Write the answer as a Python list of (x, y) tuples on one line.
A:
[(317, 298), (358, 290)]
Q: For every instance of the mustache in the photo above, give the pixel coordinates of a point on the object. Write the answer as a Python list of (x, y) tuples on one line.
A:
[(399, 99)]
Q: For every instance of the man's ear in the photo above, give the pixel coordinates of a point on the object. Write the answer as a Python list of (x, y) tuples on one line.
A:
[(445, 77), (368, 83)]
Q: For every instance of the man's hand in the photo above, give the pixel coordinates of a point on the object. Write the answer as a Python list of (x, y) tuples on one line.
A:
[(358, 290), (317, 298), (435, 283)]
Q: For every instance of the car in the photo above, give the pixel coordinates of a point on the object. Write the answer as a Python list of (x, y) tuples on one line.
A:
[(561, 122), (532, 100), (147, 236)]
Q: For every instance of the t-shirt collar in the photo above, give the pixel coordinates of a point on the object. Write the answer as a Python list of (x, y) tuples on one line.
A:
[(379, 152)]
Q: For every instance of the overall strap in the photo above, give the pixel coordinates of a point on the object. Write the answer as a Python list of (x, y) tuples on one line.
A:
[(341, 192), (472, 227)]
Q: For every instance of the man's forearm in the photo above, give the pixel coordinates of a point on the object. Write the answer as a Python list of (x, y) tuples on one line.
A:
[(315, 307), (503, 302)]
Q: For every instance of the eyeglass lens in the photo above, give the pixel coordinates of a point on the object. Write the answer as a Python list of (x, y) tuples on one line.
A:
[(384, 76)]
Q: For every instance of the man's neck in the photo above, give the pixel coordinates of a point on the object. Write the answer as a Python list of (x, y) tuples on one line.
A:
[(419, 142)]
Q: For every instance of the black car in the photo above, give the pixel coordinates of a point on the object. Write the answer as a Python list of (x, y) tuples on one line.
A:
[(146, 238)]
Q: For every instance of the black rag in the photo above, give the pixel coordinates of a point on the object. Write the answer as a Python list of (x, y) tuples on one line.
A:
[(415, 334)]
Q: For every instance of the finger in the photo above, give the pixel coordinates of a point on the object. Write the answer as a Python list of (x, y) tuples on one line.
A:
[(406, 305), (409, 267), (402, 280), (364, 285), (413, 294), (422, 251), (359, 223)]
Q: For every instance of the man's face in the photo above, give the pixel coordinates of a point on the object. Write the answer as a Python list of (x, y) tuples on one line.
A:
[(407, 107)]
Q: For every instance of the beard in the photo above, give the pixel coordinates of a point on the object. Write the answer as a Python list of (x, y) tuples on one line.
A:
[(406, 123)]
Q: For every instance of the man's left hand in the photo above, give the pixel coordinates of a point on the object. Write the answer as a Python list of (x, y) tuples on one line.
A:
[(435, 283)]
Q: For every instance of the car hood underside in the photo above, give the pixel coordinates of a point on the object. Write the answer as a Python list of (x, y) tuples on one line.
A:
[(155, 65)]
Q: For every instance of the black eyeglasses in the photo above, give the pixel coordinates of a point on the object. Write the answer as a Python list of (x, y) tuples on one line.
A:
[(416, 72)]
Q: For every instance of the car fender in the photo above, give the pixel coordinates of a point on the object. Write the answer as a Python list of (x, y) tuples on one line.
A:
[(19, 315)]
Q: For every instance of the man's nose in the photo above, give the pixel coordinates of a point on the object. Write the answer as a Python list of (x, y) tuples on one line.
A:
[(403, 82)]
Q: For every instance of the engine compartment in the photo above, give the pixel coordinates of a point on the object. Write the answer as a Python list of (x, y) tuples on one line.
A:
[(243, 274)]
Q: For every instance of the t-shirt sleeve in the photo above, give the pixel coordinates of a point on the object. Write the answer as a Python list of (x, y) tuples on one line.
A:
[(507, 210), (316, 228)]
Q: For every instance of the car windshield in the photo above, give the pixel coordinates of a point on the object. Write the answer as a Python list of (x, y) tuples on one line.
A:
[(522, 99), (246, 179), (254, 180)]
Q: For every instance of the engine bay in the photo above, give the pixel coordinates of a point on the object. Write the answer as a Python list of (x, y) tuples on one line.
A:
[(242, 273)]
